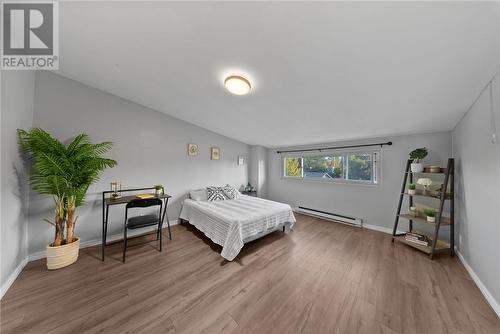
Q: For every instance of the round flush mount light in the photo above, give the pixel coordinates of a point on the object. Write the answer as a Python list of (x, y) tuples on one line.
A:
[(237, 85)]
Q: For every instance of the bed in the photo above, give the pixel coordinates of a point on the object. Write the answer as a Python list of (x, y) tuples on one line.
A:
[(232, 223)]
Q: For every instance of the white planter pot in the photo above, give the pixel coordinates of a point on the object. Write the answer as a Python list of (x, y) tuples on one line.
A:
[(417, 167), (431, 219), (62, 256), (158, 191), (412, 191)]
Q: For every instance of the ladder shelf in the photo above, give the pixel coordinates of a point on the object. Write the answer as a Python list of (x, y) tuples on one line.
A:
[(435, 245)]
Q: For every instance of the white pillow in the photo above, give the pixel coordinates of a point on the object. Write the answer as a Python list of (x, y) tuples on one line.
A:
[(230, 192), (198, 194)]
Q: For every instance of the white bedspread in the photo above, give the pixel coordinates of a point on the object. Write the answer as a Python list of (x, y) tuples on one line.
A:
[(230, 223)]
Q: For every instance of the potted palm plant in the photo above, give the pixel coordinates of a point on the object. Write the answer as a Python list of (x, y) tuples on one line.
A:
[(65, 172), (416, 156)]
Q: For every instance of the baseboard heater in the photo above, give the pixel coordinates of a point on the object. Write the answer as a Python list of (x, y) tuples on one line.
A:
[(353, 221)]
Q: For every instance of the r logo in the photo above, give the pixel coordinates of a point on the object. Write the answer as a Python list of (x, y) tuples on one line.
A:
[(28, 29)]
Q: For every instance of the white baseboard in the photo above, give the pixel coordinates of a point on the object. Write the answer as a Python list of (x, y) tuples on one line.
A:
[(383, 229), (84, 244), (486, 293), (12, 277), (95, 242)]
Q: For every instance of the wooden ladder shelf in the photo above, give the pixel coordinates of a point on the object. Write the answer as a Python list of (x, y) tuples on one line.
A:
[(435, 244)]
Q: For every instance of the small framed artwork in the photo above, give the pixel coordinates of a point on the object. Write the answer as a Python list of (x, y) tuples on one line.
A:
[(192, 149), (241, 160), (215, 153)]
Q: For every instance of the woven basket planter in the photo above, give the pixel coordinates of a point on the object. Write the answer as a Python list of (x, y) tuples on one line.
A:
[(62, 256)]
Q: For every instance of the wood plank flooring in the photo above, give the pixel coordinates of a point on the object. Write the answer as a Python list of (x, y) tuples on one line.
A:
[(322, 277)]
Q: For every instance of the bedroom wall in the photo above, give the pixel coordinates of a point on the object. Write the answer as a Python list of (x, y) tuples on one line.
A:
[(375, 204), (478, 195), (258, 170), (150, 148), (17, 112)]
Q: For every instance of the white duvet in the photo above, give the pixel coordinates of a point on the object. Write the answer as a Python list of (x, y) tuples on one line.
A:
[(230, 223)]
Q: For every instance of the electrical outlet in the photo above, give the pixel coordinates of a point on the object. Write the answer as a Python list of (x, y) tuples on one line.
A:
[(460, 239)]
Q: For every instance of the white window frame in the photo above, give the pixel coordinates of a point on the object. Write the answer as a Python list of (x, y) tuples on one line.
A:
[(376, 170)]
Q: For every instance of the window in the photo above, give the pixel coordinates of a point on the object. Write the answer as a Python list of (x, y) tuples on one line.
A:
[(353, 167), (293, 167)]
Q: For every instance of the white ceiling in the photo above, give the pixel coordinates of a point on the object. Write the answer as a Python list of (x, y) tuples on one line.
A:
[(321, 71)]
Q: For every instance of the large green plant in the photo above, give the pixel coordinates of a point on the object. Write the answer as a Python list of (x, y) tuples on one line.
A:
[(65, 172)]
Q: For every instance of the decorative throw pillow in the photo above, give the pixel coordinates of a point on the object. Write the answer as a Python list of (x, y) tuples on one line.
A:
[(216, 194), (230, 192), (198, 194)]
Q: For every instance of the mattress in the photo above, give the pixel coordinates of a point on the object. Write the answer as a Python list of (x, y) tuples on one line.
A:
[(231, 223)]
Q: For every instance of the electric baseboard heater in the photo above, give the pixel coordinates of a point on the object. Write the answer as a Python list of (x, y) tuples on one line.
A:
[(353, 221)]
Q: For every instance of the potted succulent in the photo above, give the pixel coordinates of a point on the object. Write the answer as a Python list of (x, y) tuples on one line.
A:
[(416, 156), (412, 188), (158, 189), (426, 182), (431, 215), (65, 172)]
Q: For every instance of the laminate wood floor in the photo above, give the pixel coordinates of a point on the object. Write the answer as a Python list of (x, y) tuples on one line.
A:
[(322, 277)]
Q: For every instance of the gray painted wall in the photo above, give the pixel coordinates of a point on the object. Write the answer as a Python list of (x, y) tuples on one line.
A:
[(150, 148), (375, 204), (17, 112), (478, 191), (258, 169)]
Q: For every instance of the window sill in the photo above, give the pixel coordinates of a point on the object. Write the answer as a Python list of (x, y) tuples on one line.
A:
[(331, 181)]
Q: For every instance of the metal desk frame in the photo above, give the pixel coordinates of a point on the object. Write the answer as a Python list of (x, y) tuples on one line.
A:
[(108, 201)]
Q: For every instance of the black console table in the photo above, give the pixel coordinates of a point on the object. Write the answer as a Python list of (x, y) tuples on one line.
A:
[(107, 201)]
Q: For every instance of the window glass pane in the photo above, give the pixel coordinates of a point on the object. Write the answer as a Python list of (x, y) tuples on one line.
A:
[(293, 167), (320, 166), (337, 167), (326, 167), (359, 167)]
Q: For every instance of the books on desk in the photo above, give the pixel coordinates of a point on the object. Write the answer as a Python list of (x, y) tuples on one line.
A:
[(416, 238), (145, 196)]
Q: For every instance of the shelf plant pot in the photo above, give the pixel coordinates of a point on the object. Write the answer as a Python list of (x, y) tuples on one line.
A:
[(431, 219), (62, 256), (417, 167), (412, 191)]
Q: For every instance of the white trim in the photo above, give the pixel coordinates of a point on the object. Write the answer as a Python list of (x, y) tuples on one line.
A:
[(12, 277), (89, 243), (378, 228), (486, 293)]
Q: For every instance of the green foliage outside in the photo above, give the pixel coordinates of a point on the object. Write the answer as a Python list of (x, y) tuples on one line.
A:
[(359, 167), (293, 167)]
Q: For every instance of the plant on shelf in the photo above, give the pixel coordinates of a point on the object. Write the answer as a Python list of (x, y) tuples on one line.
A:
[(412, 188), (426, 182), (158, 189), (431, 215), (416, 156), (65, 172)]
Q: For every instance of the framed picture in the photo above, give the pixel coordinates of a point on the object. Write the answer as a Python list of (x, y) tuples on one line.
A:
[(192, 149), (215, 153), (241, 160)]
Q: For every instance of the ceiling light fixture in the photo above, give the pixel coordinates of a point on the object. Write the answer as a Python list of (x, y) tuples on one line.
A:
[(237, 85)]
